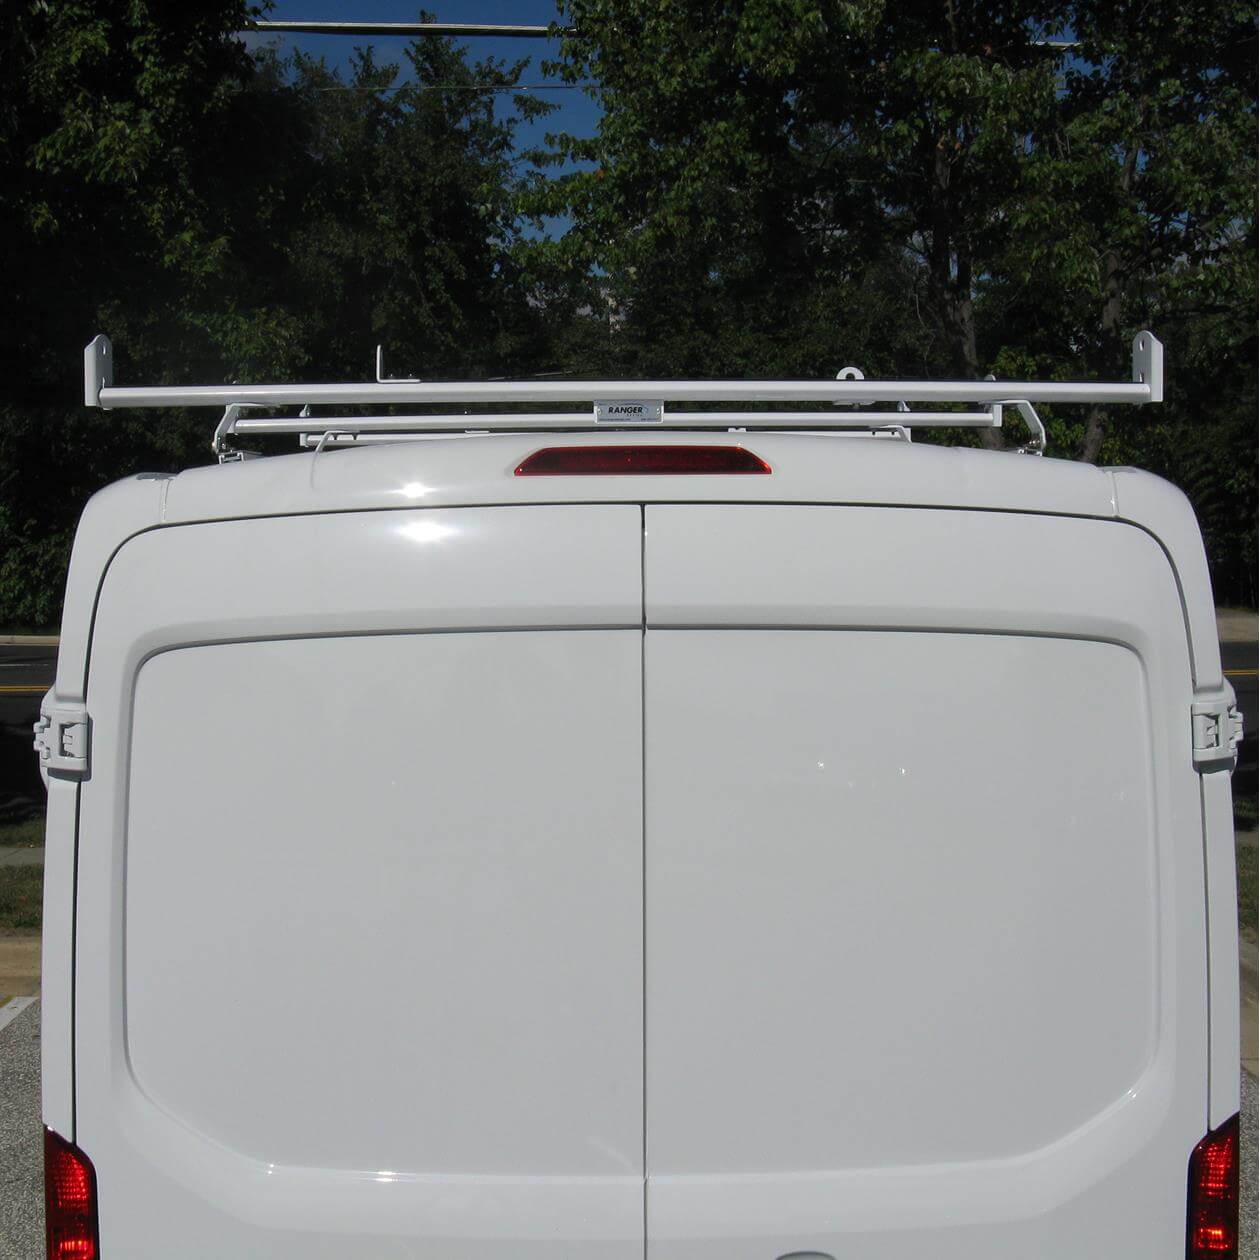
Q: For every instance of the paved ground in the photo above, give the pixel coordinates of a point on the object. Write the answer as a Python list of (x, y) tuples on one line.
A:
[(1247, 1241), (21, 1147), (19, 966), (1249, 1000)]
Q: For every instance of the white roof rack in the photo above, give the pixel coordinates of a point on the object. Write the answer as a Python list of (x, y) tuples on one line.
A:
[(623, 404)]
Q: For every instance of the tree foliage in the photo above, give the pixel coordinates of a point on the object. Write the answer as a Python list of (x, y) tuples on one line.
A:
[(776, 187), (938, 187), (228, 216)]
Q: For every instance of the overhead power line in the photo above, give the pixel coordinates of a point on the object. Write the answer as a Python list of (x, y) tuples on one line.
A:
[(414, 28), (452, 87)]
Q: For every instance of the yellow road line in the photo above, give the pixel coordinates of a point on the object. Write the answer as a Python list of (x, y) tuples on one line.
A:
[(1240, 673)]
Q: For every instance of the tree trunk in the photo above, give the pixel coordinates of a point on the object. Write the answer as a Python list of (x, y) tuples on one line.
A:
[(1111, 349), (950, 273)]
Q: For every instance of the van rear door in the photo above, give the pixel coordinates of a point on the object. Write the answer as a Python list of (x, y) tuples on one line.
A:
[(924, 887), (359, 943)]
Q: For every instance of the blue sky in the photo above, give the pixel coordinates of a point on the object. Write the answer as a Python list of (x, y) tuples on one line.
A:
[(577, 113)]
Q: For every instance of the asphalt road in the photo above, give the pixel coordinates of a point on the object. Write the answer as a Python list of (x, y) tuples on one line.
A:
[(21, 1140), (26, 672), (1239, 660)]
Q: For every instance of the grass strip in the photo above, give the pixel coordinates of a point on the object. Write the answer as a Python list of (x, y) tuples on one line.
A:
[(21, 898), (24, 834)]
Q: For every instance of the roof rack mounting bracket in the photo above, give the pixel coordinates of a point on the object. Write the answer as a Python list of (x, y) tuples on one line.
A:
[(220, 445), (98, 369), (1036, 444), (382, 379), (1148, 364)]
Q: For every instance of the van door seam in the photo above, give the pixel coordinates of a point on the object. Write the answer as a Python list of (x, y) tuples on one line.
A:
[(643, 841)]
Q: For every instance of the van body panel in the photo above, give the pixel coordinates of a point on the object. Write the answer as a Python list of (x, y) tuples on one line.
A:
[(924, 891), (266, 646), (443, 470), (111, 516), (1165, 513), (354, 861), (1220, 866), (838, 887), (360, 970), (56, 981)]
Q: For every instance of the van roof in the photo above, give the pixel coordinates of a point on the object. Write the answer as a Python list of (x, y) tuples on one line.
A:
[(478, 469), (445, 472)]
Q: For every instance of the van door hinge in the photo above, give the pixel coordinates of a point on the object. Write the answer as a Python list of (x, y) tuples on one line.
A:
[(63, 738), (1216, 729)]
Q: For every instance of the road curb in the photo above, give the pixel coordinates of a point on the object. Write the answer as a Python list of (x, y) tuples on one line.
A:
[(14, 1007), (30, 640)]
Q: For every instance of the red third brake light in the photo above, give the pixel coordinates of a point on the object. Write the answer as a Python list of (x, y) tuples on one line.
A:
[(1212, 1209), (69, 1201), (641, 461)]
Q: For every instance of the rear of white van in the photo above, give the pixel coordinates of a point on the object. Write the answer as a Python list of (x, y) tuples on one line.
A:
[(814, 859)]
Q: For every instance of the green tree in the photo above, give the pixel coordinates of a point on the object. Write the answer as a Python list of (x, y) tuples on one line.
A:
[(753, 157), (929, 188), (111, 114), (1137, 203), (227, 216)]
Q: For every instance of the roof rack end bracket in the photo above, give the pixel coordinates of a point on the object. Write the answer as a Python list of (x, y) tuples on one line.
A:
[(226, 429), (98, 369), (1148, 364), (1036, 444)]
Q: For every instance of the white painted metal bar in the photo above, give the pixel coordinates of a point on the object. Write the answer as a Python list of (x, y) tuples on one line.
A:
[(473, 392), (583, 420), (1146, 386), (335, 438)]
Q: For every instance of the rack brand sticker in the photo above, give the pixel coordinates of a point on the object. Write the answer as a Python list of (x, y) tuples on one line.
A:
[(626, 412)]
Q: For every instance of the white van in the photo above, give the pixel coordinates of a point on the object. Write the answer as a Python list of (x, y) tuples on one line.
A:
[(707, 845)]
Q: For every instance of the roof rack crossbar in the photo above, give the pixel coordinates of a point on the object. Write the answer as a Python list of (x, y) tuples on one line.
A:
[(330, 438), (636, 404), (1146, 386), (582, 420)]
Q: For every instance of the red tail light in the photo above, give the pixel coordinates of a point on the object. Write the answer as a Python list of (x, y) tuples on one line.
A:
[(69, 1201), (1212, 1212), (641, 461)]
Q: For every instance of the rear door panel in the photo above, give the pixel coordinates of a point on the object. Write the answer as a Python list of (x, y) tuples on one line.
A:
[(360, 900), (923, 887)]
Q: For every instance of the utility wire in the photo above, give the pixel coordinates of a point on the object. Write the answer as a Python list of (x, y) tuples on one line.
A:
[(498, 31), (455, 87)]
